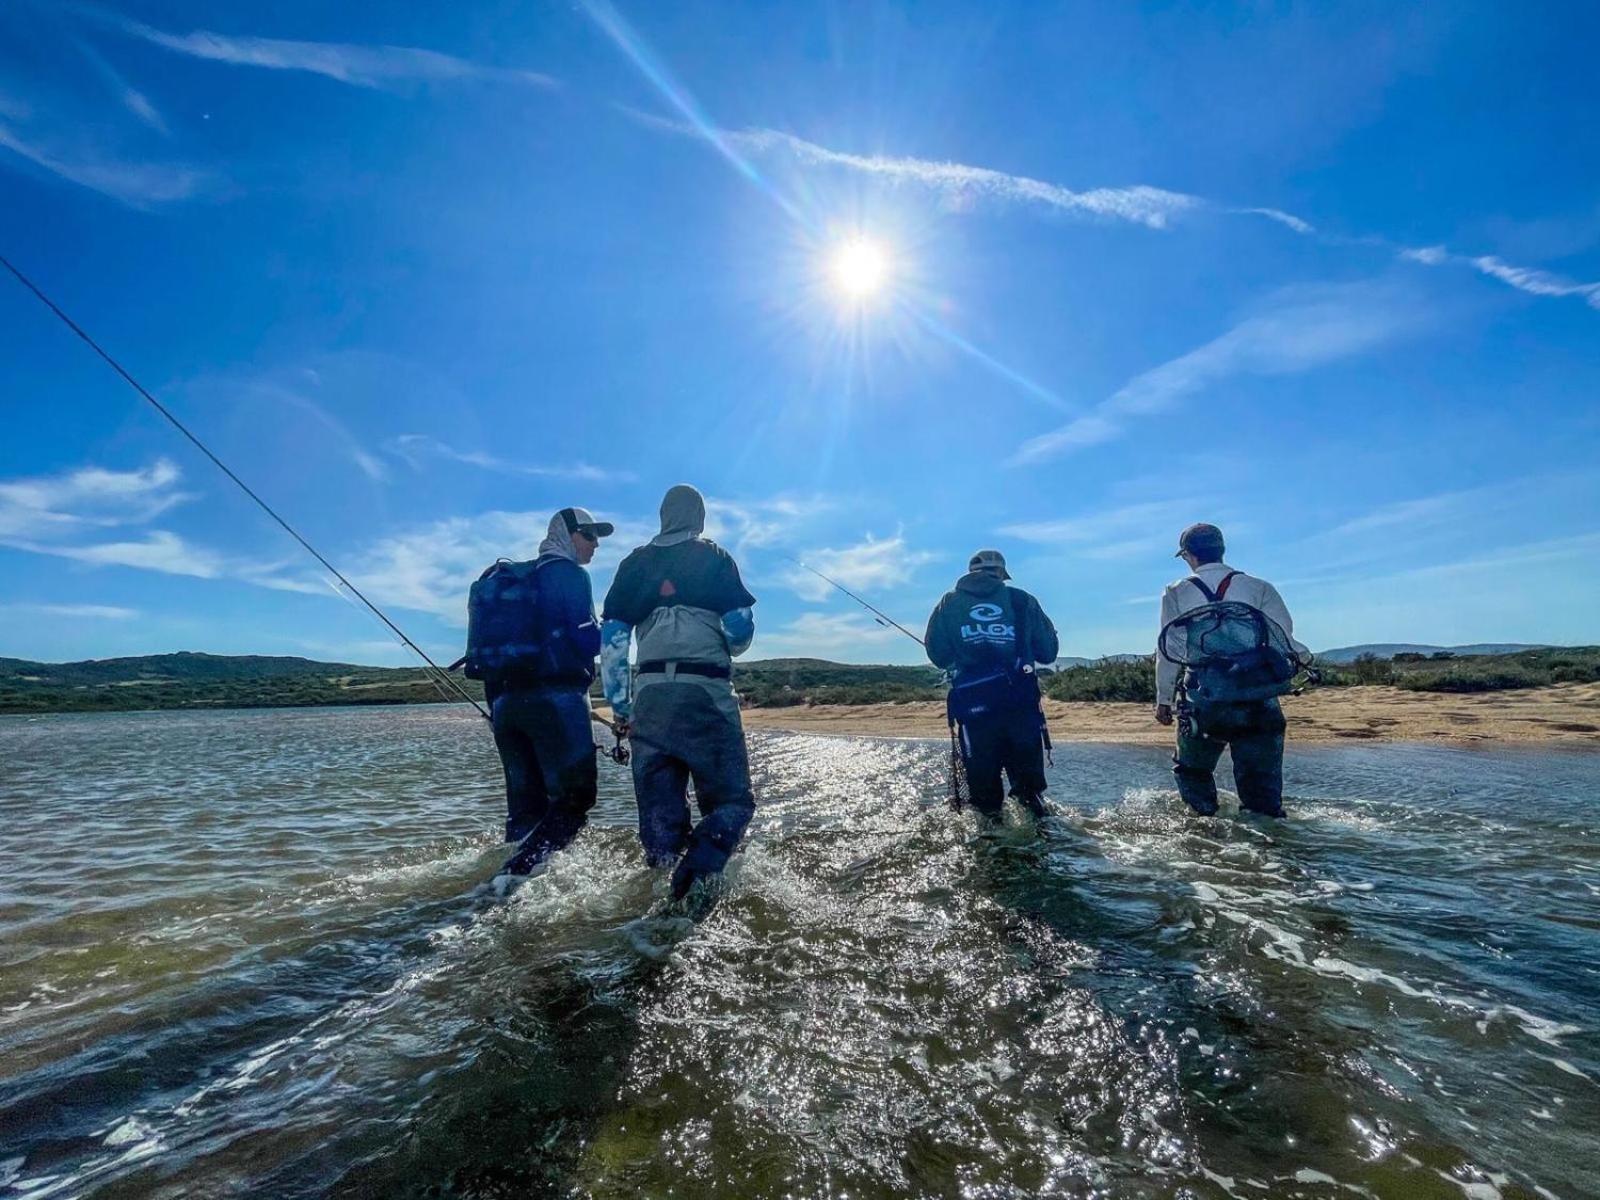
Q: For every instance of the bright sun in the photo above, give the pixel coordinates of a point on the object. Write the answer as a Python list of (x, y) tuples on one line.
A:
[(860, 268)]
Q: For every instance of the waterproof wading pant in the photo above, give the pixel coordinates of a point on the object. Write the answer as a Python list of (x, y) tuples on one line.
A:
[(1011, 742), (683, 731), (551, 778), (1254, 732)]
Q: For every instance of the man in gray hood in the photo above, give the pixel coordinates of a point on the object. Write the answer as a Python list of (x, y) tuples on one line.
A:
[(989, 635), (681, 595)]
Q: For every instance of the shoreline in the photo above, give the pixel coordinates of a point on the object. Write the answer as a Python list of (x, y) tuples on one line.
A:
[(1565, 715)]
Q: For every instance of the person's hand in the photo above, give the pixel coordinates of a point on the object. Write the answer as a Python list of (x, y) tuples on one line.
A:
[(1164, 714), (623, 727)]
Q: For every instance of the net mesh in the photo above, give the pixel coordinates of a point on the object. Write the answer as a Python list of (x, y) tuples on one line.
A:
[(1222, 633)]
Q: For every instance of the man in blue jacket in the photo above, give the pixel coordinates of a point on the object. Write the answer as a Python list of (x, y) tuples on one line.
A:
[(984, 630), (541, 719)]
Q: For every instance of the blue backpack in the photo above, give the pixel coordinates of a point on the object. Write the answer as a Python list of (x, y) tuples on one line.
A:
[(1232, 653), (505, 632)]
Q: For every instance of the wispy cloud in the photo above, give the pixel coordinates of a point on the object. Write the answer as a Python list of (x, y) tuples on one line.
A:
[(824, 635), (359, 66), (759, 524), (961, 184), (874, 564), (68, 515), (136, 184), (46, 506), (429, 568), (1108, 524), (1525, 279), (416, 448), (1304, 329), (92, 612), (958, 184), (159, 550)]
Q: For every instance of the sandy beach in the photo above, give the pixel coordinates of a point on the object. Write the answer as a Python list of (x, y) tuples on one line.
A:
[(1563, 715)]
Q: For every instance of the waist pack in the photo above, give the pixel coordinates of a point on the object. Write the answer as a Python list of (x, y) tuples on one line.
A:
[(990, 694), (505, 632)]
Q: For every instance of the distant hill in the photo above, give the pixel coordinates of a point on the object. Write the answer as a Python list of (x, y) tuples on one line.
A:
[(191, 680), (1348, 654)]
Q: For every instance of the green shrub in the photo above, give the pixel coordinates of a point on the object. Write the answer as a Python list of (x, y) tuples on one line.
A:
[(1369, 669), (1108, 679), (1470, 679)]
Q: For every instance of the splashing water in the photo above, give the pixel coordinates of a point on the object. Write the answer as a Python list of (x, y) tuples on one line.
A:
[(257, 952)]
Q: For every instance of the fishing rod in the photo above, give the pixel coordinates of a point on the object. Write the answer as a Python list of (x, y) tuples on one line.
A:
[(435, 673), (878, 614)]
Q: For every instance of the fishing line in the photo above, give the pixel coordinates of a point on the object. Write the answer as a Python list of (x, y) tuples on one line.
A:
[(433, 670), (884, 618)]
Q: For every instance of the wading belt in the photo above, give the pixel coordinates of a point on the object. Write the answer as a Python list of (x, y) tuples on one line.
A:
[(707, 670)]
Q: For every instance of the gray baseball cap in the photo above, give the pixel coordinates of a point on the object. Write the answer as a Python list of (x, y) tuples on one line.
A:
[(1200, 538), (989, 560)]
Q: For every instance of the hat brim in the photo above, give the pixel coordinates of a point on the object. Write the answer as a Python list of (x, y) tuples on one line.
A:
[(599, 529)]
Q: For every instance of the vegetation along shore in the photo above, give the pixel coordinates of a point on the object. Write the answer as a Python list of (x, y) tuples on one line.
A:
[(1549, 695)]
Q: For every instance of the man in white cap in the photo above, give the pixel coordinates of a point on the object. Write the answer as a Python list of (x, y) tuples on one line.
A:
[(989, 636), (538, 638), (1253, 728)]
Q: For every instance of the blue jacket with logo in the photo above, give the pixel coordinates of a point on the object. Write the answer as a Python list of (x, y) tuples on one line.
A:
[(974, 627)]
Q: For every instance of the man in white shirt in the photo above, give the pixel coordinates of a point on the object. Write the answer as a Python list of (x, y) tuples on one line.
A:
[(1254, 729)]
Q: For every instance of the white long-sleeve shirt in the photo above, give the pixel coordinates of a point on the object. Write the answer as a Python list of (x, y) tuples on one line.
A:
[(1182, 596)]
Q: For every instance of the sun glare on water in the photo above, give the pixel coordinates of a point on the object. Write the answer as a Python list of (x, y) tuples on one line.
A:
[(859, 268)]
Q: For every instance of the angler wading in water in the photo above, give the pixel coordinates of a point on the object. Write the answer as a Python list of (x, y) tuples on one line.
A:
[(1225, 653), (682, 597), (532, 639), (989, 636)]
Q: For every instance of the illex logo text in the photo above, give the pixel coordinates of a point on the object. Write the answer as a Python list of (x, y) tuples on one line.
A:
[(987, 626)]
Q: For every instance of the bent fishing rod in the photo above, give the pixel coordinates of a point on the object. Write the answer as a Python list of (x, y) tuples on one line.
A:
[(433, 671), (878, 614)]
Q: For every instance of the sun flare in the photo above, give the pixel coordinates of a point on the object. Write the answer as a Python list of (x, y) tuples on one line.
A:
[(860, 268)]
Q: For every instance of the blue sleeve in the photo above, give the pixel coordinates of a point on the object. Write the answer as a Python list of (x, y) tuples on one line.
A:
[(615, 677), (739, 627), (568, 600)]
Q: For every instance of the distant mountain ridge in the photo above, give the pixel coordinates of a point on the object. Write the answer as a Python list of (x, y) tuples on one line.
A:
[(1348, 654)]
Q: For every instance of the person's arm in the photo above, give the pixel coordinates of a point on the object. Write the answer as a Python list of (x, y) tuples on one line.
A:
[(734, 602), (941, 651), (739, 628), (572, 613), (615, 677), (1166, 672), (1043, 640)]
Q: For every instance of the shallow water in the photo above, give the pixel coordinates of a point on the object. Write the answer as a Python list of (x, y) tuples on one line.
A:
[(253, 953)]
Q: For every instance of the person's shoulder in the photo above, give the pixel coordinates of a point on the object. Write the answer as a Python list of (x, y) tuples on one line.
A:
[(1175, 585), (708, 546), (1247, 577), (560, 570)]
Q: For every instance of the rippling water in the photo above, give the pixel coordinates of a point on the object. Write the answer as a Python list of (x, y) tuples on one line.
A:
[(254, 953)]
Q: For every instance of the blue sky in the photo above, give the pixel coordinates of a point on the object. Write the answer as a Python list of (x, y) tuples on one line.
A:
[(1324, 276)]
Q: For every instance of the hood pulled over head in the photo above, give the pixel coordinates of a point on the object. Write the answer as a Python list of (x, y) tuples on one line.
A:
[(558, 540), (683, 515)]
